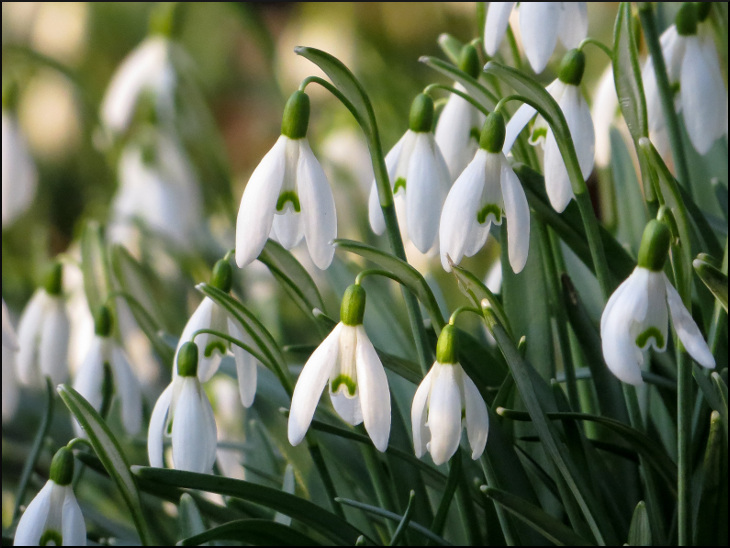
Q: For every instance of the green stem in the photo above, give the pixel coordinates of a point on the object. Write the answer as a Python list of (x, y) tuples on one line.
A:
[(476, 104), (260, 357), (684, 440), (600, 45)]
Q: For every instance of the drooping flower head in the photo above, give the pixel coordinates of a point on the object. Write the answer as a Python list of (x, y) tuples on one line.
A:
[(288, 196), (419, 178), (20, 177), (487, 190), (445, 399), (636, 315), (358, 386)]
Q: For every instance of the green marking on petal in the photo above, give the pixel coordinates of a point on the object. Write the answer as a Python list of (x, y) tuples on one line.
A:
[(50, 537), (349, 383), (475, 133), (537, 134), (652, 332), (288, 196), (213, 346), (484, 212), (400, 182)]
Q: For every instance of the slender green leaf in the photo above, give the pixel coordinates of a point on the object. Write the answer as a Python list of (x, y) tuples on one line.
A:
[(720, 389), (451, 46), (485, 97), (475, 289), (190, 522), (537, 518), (401, 529), (110, 453), (255, 532), (713, 278), (712, 507), (640, 530), (627, 74)]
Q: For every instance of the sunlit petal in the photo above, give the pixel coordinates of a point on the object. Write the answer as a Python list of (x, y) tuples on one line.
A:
[(687, 329), (33, 521), (158, 425), (444, 414), (477, 417), (191, 449), (518, 217), (496, 24), (374, 395), (419, 415), (539, 24)]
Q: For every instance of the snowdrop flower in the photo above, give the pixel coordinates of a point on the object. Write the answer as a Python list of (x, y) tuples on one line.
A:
[(53, 517), (288, 196), (460, 121), (105, 352), (19, 173), (10, 384), (43, 333), (635, 316), (692, 64), (358, 385), (444, 397), (485, 190), (185, 405), (567, 94), (541, 24), (419, 177), (209, 315)]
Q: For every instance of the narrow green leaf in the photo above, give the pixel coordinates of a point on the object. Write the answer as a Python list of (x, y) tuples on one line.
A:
[(451, 46), (110, 453), (95, 266), (712, 508), (324, 521), (400, 531), (475, 289), (537, 518), (640, 530), (485, 97), (627, 74), (190, 522), (713, 278), (720, 387), (254, 532)]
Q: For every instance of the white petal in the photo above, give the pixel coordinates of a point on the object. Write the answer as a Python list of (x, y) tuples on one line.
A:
[(310, 384), (687, 329), (444, 414), (202, 318), (191, 448), (246, 365), (89, 381), (516, 124), (29, 329), (518, 217), (128, 389), (476, 415), (73, 527), (318, 208), (33, 521), (656, 317), (603, 112), (375, 213), (454, 132), (578, 116), (10, 339), (496, 25), (10, 384), (258, 203), (557, 182), (573, 23), (53, 351), (347, 405), (374, 395), (158, 425), (419, 415), (539, 24), (20, 177), (287, 228)]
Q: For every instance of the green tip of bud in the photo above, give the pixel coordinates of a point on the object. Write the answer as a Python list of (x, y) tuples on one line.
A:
[(469, 61), (164, 19), (103, 321), (187, 360), (53, 282), (295, 121), (493, 132), (222, 276), (654, 246), (703, 10), (572, 67), (62, 467), (352, 309), (686, 19), (446, 345), (421, 117)]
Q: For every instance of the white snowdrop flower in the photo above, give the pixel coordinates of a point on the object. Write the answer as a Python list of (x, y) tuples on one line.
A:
[(43, 333), (288, 196), (104, 352), (210, 315), (19, 173), (146, 70), (445, 397), (10, 383), (541, 25), (693, 65), (186, 407), (157, 188), (636, 315), (485, 191), (53, 517), (358, 385), (419, 177), (604, 113), (567, 94)]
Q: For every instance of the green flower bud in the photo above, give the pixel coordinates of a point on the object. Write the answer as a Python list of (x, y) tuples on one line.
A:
[(165, 19), (469, 61), (654, 246), (421, 117), (703, 10), (295, 121), (493, 132), (446, 345), (62, 467), (53, 282), (352, 309), (187, 360), (222, 276), (103, 321), (572, 67), (686, 19)]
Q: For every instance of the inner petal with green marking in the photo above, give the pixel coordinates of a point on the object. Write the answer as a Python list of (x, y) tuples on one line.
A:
[(489, 209), (288, 196), (344, 381), (400, 182), (650, 333), (212, 346), (51, 537)]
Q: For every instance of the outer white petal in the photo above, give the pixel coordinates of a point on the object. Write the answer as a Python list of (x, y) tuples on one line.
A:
[(516, 124), (258, 203), (477, 417), (453, 132), (33, 521), (202, 318), (704, 103), (605, 106), (53, 351), (10, 384), (89, 379), (246, 365), (10, 339), (73, 527), (539, 24), (158, 425), (318, 208), (578, 116), (374, 395), (191, 448), (687, 329), (375, 213), (20, 177), (29, 329), (444, 414), (496, 25), (573, 23), (557, 182), (128, 389), (310, 384), (518, 217), (419, 414)]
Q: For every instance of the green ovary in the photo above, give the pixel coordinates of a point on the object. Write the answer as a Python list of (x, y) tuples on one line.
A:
[(484, 212), (651, 332), (349, 383), (288, 196)]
